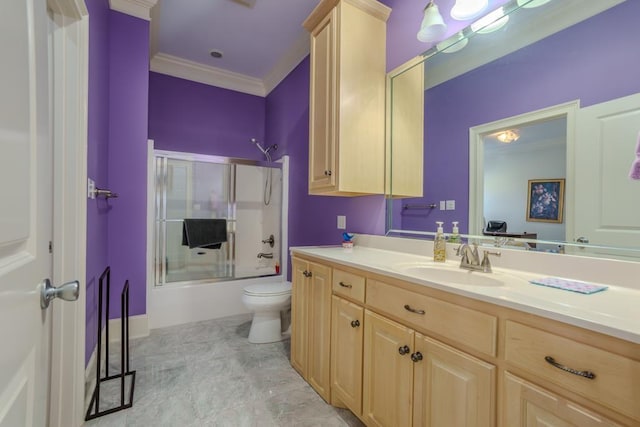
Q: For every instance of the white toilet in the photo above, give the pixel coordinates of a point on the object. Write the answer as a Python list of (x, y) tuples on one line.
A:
[(267, 301)]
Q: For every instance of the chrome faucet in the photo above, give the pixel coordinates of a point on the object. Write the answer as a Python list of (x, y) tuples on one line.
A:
[(471, 258), (264, 255)]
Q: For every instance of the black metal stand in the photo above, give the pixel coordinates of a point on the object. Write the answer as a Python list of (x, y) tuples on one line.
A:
[(94, 406)]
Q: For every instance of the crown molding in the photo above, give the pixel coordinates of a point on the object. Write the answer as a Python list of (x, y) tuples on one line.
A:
[(213, 76), (137, 8), (287, 63)]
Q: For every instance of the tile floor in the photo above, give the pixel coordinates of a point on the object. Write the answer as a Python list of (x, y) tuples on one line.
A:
[(208, 374)]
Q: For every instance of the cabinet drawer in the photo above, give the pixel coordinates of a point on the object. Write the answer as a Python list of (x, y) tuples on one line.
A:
[(616, 383), (349, 285), (463, 325)]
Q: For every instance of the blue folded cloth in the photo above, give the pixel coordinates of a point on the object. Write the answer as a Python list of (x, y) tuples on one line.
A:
[(569, 285)]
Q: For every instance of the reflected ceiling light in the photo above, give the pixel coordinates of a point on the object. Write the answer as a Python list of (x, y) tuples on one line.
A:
[(532, 3), (465, 10), (507, 136), (453, 44), (433, 27), (491, 22)]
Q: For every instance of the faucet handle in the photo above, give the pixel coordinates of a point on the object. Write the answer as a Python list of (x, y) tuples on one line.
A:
[(486, 263)]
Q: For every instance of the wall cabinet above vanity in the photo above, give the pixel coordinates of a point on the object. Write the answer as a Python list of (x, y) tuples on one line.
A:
[(347, 99)]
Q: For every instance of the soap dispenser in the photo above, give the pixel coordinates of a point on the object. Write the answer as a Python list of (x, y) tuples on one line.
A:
[(455, 233), (439, 245)]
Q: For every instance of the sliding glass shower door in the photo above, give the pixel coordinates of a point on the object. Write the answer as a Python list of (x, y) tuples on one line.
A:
[(245, 195)]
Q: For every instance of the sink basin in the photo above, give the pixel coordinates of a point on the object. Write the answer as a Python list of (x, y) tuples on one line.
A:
[(447, 274)]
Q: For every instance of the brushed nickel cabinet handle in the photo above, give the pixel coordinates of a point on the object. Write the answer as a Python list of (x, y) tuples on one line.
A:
[(413, 310), (345, 285), (586, 374)]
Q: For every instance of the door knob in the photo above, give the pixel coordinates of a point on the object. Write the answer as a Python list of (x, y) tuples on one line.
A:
[(355, 323), (582, 240), (404, 350), (68, 292)]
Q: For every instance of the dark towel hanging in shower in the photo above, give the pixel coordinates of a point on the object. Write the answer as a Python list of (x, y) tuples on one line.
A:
[(204, 233)]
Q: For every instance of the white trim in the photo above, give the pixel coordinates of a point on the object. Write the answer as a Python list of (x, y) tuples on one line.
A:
[(213, 76), (151, 220), (138, 328), (136, 8), (71, 53), (476, 159), (284, 228), (287, 63)]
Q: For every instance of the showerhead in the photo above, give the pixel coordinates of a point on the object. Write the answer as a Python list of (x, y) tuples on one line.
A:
[(255, 141)]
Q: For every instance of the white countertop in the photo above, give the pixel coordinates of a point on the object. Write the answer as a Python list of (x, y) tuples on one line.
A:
[(615, 311)]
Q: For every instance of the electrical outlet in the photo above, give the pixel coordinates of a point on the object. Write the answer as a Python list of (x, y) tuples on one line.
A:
[(451, 205), (342, 222), (442, 205), (91, 188)]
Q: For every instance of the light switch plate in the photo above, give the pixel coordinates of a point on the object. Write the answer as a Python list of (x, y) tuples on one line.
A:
[(342, 222), (442, 205), (451, 205)]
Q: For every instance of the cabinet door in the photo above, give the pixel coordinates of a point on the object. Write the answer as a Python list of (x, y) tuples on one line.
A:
[(388, 374), (319, 329), (347, 332), (451, 388), (527, 405), (299, 312), (322, 132)]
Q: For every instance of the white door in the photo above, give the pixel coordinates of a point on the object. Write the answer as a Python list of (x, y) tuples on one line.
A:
[(607, 202), (25, 212)]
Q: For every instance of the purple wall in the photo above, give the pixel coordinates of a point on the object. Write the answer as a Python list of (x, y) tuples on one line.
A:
[(582, 62), (312, 219), (127, 159), (193, 117), (97, 155)]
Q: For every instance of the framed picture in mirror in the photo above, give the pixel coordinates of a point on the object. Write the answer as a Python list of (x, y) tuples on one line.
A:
[(545, 200)]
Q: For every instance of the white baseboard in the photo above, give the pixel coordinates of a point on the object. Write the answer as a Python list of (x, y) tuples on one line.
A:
[(138, 327)]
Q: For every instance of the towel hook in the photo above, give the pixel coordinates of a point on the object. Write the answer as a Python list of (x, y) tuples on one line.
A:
[(107, 194)]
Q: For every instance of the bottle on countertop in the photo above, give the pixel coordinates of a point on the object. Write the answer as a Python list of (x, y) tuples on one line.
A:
[(455, 233), (439, 245)]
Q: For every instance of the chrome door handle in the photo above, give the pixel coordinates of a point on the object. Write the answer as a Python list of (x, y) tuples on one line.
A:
[(582, 240), (68, 291)]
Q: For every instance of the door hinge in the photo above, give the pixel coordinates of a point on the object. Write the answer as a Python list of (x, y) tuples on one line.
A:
[(50, 247)]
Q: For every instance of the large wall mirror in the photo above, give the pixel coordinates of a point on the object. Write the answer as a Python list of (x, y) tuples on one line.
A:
[(524, 135)]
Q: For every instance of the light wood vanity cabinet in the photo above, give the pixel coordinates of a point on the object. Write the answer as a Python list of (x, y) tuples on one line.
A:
[(311, 323), (347, 97), (448, 360)]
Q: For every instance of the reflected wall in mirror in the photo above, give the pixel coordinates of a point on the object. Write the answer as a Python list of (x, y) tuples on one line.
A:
[(574, 81)]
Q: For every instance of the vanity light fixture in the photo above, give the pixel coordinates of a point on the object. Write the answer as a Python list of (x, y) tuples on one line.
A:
[(433, 27), (490, 22), (465, 10), (507, 136), (453, 44), (531, 4)]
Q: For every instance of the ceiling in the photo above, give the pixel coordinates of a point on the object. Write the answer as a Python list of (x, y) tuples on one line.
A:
[(260, 44)]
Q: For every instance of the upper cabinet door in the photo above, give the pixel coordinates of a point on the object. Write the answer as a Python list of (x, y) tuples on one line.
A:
[(347, 97), (322, 136)]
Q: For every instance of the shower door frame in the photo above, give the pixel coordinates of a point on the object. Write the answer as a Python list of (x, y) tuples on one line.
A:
[(158, 204)]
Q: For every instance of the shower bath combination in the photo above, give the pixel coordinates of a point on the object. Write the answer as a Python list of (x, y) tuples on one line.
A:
[(269, 182)]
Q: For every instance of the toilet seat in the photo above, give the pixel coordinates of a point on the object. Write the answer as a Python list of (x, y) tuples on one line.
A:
[(268, 289)]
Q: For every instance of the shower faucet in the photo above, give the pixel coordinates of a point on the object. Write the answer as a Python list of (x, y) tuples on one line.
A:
[(271, 240), (264, 255)]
